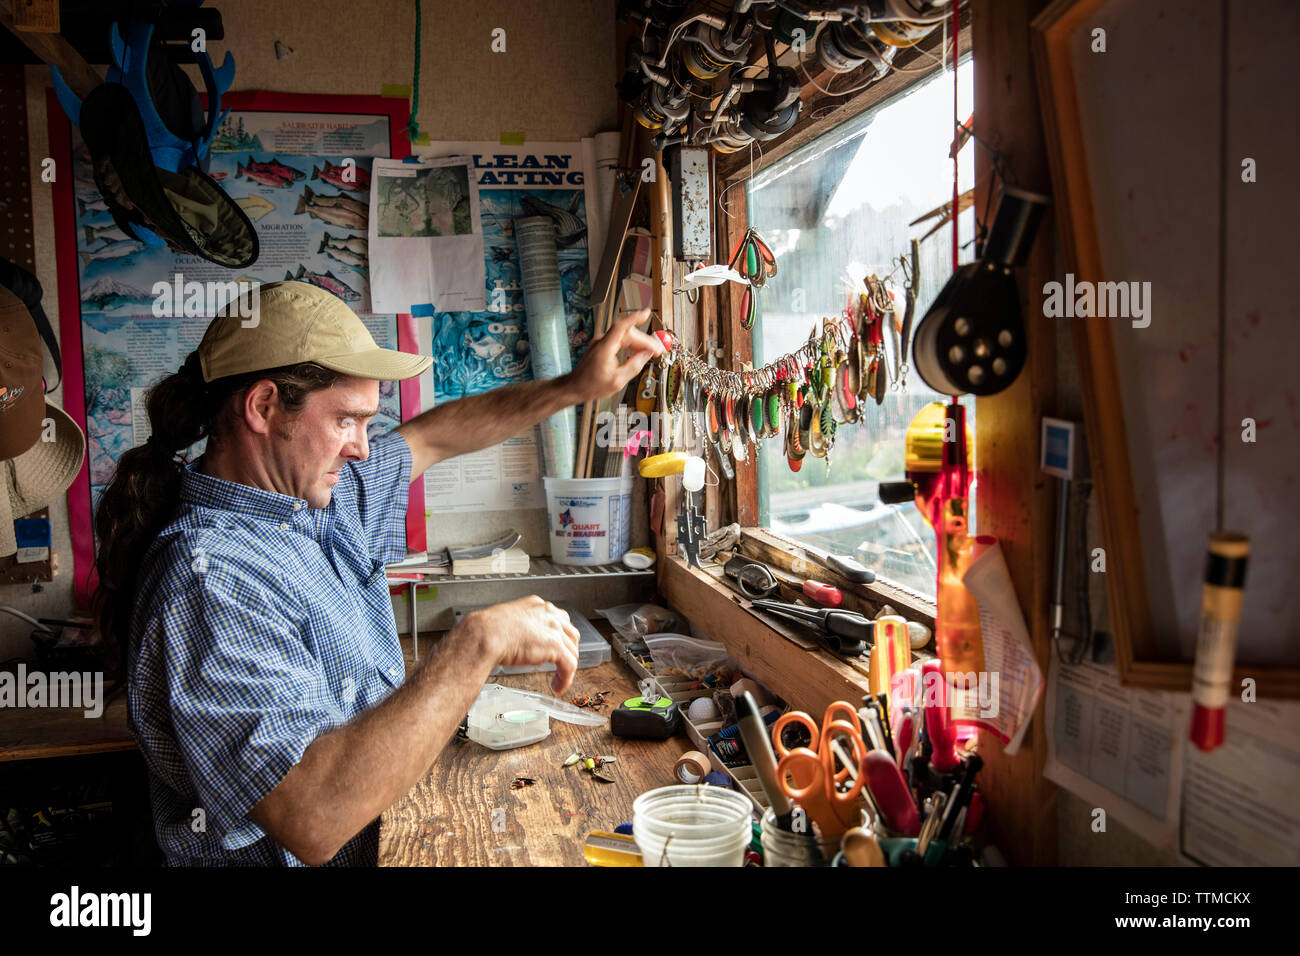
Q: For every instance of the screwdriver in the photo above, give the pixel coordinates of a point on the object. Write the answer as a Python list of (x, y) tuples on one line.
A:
[(824, 594)]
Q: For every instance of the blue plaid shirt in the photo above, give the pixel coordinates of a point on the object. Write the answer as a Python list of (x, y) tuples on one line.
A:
[(260, 624)]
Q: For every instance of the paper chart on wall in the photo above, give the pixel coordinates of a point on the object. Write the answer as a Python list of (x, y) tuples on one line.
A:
[(500, 478), (1117, 747), (426, 237)]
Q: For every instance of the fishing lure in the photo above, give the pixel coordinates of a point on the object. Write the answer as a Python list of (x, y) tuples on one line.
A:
[(753, 260)]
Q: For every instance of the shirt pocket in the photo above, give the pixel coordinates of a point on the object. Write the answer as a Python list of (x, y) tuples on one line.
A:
[(381, 646)]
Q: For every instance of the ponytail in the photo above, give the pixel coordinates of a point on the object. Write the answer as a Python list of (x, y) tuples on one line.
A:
[(143, 496)]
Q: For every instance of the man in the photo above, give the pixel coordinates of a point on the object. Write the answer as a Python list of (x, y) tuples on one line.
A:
[(266, 682)]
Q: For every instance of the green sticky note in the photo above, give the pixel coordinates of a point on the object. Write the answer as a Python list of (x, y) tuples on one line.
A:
[(426, 594), (421, 139), (397, 90), (512, 139)]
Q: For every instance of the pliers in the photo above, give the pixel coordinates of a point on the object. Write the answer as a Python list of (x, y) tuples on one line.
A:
[(845, 631)]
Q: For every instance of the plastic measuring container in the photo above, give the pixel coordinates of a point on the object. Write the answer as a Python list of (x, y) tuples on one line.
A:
[(590, 519), (692, 826)]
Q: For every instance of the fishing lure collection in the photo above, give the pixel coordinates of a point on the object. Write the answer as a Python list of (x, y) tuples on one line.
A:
[(804, 396)]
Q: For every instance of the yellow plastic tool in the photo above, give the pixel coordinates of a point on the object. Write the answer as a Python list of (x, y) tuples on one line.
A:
[(658, 466), (611, 849)]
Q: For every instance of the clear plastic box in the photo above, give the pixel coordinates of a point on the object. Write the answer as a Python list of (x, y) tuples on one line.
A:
[(593, 649)]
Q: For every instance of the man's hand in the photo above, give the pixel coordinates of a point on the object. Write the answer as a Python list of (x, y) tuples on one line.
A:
[(600, 373), (529, 630)]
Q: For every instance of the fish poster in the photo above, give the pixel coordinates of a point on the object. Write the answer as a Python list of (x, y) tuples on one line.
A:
[(303, 177), (477, 351), (425, 236)]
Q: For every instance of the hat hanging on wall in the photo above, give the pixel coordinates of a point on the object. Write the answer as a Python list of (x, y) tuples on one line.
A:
[(41, 447), (149, 141)]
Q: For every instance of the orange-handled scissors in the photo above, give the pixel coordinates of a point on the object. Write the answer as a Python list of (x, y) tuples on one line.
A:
[(810, 780), (839, 710), (808, 775)]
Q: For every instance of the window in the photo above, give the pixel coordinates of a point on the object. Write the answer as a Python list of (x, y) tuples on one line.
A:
[(833, 212)]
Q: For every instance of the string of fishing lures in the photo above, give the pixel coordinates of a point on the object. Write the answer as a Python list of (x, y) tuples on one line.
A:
[(802, 397)]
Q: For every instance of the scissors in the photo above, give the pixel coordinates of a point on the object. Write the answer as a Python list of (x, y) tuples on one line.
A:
[(808, 775)]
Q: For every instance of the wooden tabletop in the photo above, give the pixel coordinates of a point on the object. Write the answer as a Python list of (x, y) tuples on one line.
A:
[(464, 813), (27, 733)]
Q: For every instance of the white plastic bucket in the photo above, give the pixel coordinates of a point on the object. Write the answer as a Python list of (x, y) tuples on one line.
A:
[(692, 826), (590, 519)]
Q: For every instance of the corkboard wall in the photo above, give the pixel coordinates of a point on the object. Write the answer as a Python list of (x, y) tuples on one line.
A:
[(553, 82)]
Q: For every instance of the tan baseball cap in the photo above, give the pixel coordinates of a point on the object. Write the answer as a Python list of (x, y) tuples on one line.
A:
[(299, 322)]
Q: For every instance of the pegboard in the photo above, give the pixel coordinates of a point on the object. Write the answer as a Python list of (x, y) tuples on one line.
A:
[(16, 246), (15, 191)]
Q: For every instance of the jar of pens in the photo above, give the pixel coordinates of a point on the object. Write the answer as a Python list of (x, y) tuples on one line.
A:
[(885, 784)]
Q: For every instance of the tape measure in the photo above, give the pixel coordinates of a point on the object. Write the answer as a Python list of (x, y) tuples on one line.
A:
[(648, 718)]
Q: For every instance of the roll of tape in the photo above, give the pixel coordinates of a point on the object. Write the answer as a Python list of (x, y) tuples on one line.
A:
[(692, 767)]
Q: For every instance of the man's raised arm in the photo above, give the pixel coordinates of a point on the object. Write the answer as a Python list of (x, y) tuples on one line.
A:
[(480, 421)]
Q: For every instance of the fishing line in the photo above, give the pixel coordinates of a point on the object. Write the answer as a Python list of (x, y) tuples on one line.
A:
[(725, 206), (1221, 478), (956, 120), (412, 127)]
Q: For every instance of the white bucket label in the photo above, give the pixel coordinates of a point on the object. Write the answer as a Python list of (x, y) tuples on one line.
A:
[(588, 524)]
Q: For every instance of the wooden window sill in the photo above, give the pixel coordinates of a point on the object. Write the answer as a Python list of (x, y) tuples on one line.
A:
[(808, 678)]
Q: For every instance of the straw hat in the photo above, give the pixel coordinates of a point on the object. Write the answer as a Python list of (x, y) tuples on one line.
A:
[(34, 472)]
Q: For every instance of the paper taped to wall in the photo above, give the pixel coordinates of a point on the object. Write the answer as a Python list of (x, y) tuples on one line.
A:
[(1009, 694), (426, 237)]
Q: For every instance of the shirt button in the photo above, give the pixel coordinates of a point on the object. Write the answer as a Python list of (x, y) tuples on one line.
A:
[(299, 505), (284, 526), (392, 672)]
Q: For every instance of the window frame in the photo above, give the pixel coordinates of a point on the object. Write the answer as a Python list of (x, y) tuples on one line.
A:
[(732, 174)]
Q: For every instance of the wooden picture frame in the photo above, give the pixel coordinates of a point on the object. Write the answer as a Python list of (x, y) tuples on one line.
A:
[(1138, 649)]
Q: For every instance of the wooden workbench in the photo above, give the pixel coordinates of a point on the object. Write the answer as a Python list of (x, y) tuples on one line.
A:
[(29, 733), (464, 812)]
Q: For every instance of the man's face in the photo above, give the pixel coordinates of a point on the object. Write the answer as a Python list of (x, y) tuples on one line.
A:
[(311, 446)]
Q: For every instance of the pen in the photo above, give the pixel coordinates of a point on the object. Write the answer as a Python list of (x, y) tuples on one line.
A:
[(759, 747), (954, 809)]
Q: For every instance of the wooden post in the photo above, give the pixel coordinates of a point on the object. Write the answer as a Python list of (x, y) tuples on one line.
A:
[(56, 51), (1015, 499)]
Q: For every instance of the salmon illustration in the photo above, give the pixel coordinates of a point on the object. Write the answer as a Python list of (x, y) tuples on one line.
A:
[(263, 176), (327, 281), (334, 175), (279, 168), (94, 205), (107, 233), (350, 250), (275, 168), (113, 250), (336, 210)]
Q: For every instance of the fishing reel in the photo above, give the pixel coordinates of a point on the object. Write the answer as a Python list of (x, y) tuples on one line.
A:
[(845, 46)]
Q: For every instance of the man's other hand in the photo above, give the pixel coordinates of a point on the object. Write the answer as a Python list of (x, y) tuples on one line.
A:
[(530, 630), (600, 373)]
